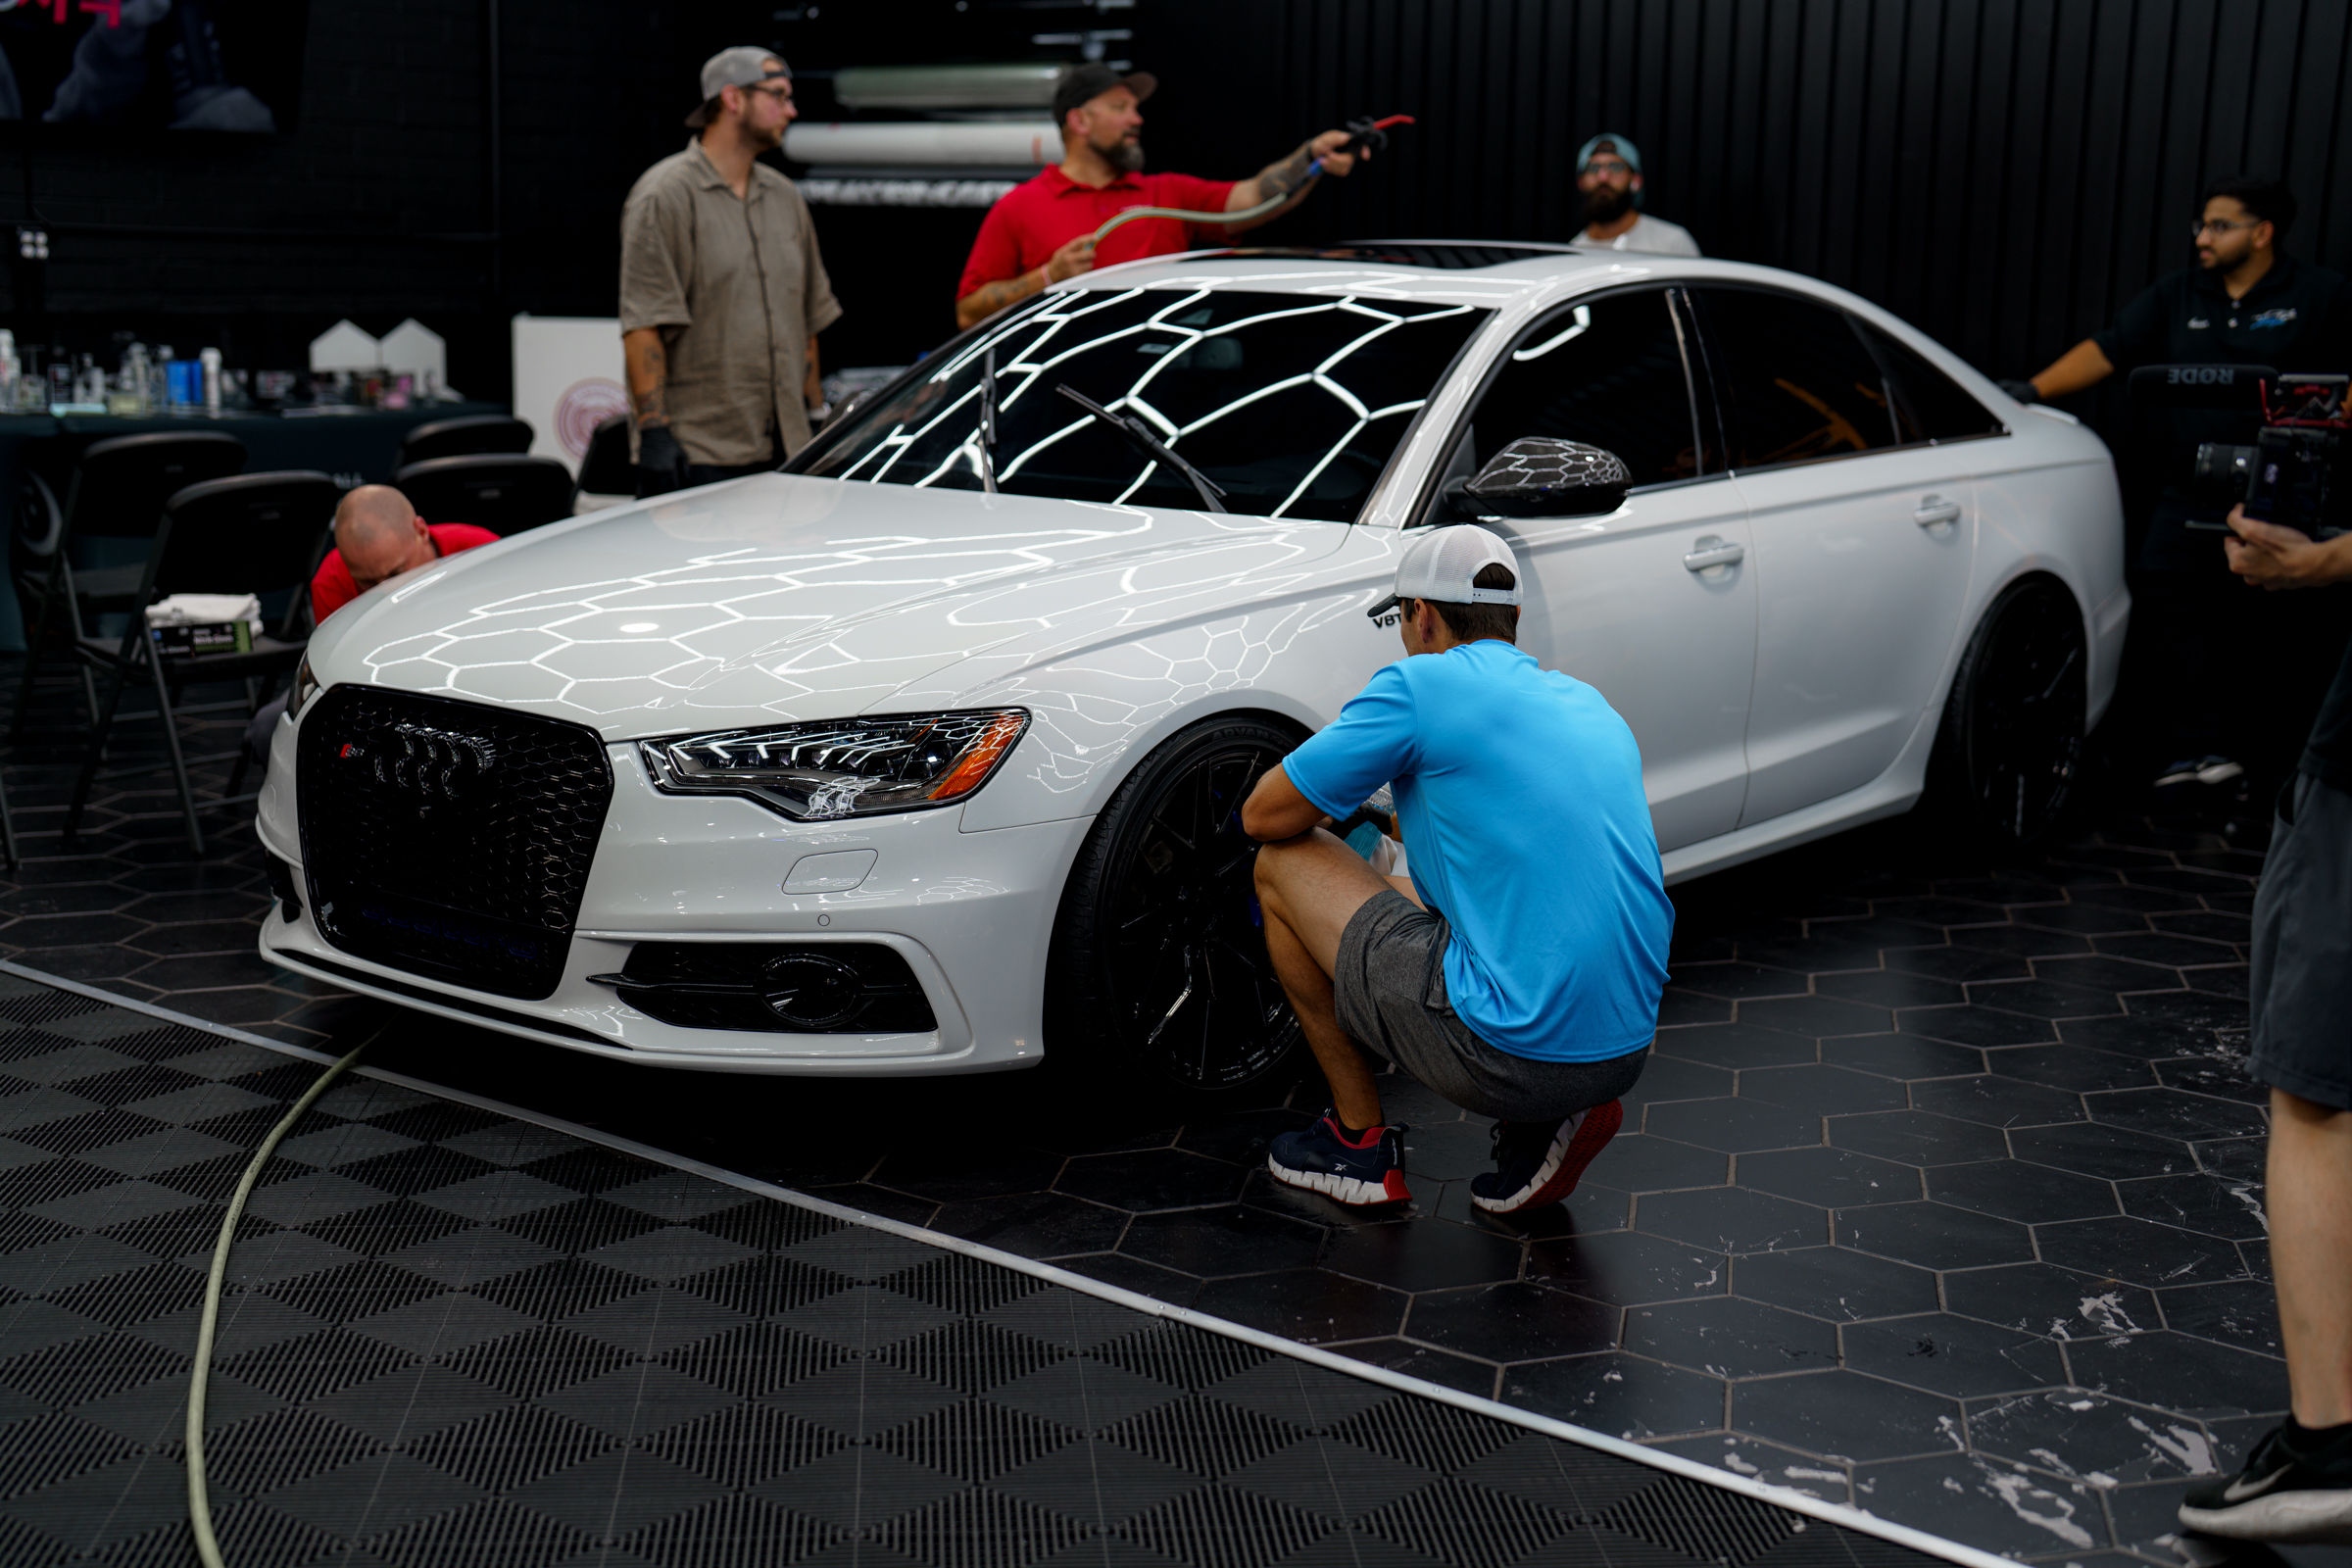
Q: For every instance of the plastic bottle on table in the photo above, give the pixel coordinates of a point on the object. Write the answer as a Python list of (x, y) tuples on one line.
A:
[(210, 361)]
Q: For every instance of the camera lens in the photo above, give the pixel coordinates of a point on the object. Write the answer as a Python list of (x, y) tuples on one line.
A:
[(2223, 468)]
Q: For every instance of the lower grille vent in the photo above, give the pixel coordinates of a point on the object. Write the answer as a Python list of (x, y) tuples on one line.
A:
[(818, 988)]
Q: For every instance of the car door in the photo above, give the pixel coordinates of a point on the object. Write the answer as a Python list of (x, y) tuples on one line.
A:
[(1863, 542), (1652, 605)]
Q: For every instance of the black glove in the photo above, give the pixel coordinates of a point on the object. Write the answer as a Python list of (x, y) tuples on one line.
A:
[(2023, 391), (661, 462)]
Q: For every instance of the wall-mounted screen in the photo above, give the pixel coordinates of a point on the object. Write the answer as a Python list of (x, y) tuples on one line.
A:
[(152, 65)]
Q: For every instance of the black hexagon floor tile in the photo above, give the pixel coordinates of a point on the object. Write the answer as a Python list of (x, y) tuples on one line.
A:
[(1918, 1134)]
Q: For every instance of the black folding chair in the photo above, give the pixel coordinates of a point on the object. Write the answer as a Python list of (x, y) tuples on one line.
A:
[(606, 468), (504, 495), (461, 438), (258, 533), (117, 492)]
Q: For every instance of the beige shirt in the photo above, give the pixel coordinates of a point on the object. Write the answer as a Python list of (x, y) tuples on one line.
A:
[(738, 289)]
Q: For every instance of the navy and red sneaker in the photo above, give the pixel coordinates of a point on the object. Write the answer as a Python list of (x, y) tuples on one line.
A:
[(1537, 1162), (1368, 1168)]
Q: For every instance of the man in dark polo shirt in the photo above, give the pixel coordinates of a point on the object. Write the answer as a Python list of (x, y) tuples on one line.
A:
[(2295, 1483), (2246, 302), (1042, 231)]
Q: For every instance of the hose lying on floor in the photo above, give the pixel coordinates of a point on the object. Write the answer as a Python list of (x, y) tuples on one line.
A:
[(200, 1507)]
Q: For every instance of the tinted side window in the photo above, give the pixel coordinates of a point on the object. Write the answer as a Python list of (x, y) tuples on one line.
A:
[(1929, 404), (1800, 382), (1609, 374)]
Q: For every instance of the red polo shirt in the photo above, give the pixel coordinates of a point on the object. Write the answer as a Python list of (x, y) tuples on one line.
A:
[(335, 586), (1039, 215)]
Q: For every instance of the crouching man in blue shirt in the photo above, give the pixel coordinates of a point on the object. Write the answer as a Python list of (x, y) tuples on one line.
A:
[(1517, 971)]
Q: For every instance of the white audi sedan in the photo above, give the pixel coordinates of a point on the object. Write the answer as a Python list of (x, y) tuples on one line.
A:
[(924, 754)]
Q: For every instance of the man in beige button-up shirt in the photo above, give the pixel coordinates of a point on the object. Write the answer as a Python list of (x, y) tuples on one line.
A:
[(722, 292)]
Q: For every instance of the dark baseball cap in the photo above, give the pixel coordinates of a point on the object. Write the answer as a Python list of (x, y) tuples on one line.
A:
[(1082, 84), (744, 66)]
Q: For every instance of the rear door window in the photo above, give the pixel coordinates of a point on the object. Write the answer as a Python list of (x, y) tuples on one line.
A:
[(1800, 383), (1929, 404)]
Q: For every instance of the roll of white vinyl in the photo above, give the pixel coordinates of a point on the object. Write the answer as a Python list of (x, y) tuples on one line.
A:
[(925, 143), (1001, 87)]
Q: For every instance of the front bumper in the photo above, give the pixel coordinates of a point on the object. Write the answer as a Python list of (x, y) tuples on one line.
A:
[(972, 915)]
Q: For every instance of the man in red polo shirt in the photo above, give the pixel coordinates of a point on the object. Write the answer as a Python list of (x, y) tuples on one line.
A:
[(1042, 231), (377, 536)]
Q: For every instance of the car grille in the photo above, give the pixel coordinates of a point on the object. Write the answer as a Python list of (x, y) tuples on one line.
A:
[(449, 839)]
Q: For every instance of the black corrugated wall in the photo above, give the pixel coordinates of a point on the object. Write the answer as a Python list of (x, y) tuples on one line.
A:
[(2003, 173)]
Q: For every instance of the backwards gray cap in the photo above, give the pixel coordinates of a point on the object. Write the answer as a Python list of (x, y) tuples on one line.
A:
[(744, 66)]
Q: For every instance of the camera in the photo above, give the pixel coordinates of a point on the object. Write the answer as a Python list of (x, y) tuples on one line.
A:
[(2287, 476)]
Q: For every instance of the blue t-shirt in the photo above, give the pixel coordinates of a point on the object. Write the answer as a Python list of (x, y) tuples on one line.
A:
[(1520, 793)]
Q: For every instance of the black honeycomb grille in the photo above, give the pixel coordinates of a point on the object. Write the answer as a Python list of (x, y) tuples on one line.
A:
[(446, 838)]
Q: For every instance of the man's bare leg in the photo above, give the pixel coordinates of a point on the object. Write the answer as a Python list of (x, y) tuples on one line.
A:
[(1309, 888), (2310, 1201)]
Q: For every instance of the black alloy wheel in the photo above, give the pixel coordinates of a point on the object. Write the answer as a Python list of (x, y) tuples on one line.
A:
[(2011, 746), (1160, 976)]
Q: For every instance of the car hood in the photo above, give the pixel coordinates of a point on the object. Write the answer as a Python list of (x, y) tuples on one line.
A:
[(780, 597)]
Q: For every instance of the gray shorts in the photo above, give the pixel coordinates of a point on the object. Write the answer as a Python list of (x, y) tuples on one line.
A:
[(1390, 988), (2302, 966)]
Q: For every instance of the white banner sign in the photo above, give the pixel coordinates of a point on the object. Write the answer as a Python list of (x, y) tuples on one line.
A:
[(568, 380)]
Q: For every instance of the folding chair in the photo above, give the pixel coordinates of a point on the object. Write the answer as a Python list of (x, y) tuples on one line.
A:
[(117, 492), (258, 533), (606, 468), (458, 438), (503, 494)]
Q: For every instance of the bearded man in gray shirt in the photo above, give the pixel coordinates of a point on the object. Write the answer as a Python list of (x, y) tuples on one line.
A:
[(722, 291)]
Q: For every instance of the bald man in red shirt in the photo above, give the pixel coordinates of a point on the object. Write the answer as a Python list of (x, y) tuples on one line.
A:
[(1042, 231), (377, 536)]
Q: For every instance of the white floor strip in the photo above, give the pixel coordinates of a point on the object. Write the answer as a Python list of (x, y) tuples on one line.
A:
[(1780, 1496)]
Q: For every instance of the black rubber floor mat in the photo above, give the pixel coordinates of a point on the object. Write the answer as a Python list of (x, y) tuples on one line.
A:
[(454, 1336)]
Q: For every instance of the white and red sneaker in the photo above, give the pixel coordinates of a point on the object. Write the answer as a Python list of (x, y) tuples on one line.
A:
[(1540, 1162), (1324, 1159)]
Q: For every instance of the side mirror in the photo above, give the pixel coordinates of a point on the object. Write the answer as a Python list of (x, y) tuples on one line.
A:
[(1543, 476)]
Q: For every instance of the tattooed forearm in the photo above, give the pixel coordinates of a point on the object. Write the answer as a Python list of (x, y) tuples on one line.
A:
[(648, 368), (1285, 177), (990, 298)]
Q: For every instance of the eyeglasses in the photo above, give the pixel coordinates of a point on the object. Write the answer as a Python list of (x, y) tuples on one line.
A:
[(1607, 166), (2220, 226), (782, 93)]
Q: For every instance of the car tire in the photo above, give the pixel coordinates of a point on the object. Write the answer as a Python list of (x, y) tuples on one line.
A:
[(1159, 980), (2010, 749)]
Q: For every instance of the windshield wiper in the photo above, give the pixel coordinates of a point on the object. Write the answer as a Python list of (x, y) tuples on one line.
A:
[(1138, 435), (988, 420)]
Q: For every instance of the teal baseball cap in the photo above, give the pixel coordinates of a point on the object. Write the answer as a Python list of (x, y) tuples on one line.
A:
[(1622, 146)]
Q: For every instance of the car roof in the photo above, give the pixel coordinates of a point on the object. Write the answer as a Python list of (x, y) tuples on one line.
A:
[(1487, 273)]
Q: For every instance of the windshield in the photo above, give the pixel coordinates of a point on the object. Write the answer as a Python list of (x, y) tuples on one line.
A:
[(1289, 404)]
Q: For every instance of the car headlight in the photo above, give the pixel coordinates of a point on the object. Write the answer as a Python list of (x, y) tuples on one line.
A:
[(305, 687), (842, 767)]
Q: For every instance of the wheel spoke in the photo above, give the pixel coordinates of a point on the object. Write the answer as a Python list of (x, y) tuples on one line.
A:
[(1187, 964)]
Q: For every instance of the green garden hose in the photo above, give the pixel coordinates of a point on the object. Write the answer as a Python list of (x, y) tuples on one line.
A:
[(200, 1507), (1368, 134)]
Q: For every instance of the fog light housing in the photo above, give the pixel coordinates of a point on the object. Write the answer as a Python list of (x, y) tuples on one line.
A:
[(811, 991)]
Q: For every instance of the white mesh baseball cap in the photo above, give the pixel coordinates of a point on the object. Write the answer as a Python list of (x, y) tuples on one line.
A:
[(1443, 563)]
